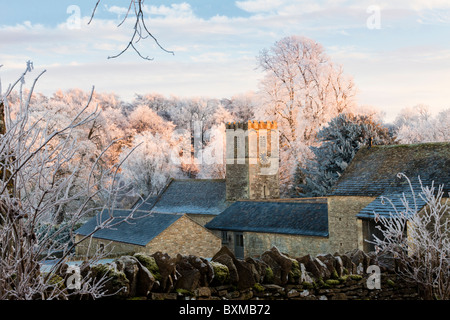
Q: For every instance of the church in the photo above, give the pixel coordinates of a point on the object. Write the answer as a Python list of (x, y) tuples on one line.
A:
[(244, 211)]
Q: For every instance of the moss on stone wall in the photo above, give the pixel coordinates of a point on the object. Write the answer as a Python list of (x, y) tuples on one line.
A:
[(150, 263), (221, 273)]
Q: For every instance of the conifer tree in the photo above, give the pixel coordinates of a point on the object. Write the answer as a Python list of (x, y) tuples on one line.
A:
[(340, 140)]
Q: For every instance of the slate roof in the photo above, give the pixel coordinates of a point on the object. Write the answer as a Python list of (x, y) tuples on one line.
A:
[(145, 204), (139, 231), (194, 196), (392, 205), (308, 218), (373, 171)]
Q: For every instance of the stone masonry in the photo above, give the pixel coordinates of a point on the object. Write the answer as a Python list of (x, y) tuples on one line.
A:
[(252, 160), (275, 276), (344, 228)]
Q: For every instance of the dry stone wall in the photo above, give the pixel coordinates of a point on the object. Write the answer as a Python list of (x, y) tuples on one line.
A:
[(273, 276)]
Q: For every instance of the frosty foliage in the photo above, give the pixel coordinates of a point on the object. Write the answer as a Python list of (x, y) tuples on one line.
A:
[(180, 121), (161, 131), (302, 90), (417, 125), (91, 138), (419, 240), (213, 156), (339, 142), (50, 181), (150, 166)]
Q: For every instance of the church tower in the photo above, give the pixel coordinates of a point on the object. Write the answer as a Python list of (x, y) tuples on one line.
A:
[(252, 160)]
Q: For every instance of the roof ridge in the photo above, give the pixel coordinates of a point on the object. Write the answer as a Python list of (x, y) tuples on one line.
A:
[(411, 145)]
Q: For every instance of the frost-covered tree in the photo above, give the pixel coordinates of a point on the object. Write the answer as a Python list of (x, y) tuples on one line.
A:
[(339, 142), (151, 165), (419, 240), (187, 112), (302, 90), (157, 149), (142, 119), (417, 125), (242, 106), (33, 191), (213, 156), (154, 101), (91, 138)]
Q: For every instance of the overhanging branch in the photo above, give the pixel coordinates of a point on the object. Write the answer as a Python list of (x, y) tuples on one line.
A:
[(140, 30)]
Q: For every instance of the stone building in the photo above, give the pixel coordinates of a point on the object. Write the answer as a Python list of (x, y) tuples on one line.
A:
[(146, 232), (244, 211), (342, 221), (373, 176), (259, 219), (294, 226)]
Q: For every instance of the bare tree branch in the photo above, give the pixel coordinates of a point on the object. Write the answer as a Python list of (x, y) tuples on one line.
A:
[(140, 29)]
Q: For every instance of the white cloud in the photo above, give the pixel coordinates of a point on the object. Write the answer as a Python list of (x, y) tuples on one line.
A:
[(310, 6), (117, 10), (432, 17), (211, 57), (175, 10), (420, 5), (216, 56), (254, 6)]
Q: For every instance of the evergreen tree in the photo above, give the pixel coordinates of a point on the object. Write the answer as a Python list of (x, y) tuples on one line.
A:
[(340, 140)]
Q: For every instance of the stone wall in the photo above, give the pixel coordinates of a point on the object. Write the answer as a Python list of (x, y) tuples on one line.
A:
[(237, 164), (263, 161), (256, 243), (201, 219), (263, 186), (89, 246), (345, 229), (186, 237), (237, 182), (275, 276)]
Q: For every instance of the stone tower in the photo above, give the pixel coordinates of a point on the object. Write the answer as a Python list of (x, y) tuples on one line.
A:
[(252, 160)]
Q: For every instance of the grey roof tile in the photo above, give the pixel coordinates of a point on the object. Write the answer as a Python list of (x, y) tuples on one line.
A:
[(297, 218), (373, 171), (392, 204), (145, 204), (195, 196), (140, 230)]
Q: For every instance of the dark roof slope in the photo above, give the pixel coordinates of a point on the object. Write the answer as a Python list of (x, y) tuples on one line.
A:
[(193, 196), (297, 218), (373, 171), (145, 204), (139, 231), (392, 204)]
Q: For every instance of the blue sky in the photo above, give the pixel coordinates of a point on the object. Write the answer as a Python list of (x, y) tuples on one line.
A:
[(404, 61)]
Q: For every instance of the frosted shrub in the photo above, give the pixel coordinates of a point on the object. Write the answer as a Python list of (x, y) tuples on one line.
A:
[(37, 174), (419, 240)]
